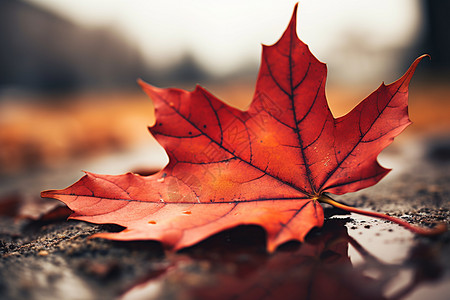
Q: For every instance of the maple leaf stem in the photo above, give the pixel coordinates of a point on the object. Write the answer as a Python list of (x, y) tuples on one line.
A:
[(438, 229)]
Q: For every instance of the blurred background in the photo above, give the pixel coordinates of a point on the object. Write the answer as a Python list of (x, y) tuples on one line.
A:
[(68, 69)]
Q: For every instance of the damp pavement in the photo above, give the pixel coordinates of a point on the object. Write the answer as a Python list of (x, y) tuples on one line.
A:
[(43, 256)]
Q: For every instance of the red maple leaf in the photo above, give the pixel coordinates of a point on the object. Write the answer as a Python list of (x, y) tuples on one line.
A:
[(270, 165)]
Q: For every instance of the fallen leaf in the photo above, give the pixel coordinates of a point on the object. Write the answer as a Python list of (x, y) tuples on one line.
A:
[(25, 207), (10, 205), (270, 165)]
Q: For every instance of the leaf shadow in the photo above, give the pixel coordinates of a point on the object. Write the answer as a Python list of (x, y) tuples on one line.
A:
[(234, 265)]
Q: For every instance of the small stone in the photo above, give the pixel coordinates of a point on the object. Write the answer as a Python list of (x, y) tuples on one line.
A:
[(43, 253)]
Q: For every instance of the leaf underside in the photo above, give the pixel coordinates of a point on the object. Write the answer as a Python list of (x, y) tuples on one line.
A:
[(266, 166)]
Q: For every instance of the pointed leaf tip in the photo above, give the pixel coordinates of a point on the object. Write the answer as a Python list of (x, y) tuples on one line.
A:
[(294, 16), (293, 22), (47, 194), (406, 78)]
